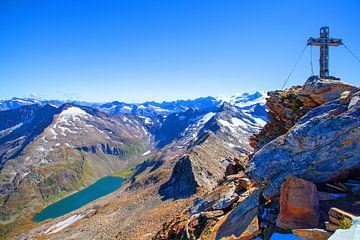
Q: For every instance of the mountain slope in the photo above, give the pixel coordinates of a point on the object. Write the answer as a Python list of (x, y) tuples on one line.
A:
[(60, 150)]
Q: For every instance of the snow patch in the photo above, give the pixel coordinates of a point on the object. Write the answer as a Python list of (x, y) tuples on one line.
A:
[(72, 113), (63, 224), (146, 153), (126, 108), (238, 122)]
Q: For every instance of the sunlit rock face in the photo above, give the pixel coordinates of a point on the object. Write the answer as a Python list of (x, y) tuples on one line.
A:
[(321, 146)]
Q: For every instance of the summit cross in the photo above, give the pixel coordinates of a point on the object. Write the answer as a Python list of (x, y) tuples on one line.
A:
[(324, 42)]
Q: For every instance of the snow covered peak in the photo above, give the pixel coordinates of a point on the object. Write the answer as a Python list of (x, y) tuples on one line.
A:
[(72, 113), (244, 100)]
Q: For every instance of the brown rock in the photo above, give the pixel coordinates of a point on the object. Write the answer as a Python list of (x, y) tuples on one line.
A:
[(212, 214), (331, 226), (245, 183), (325, 90), (345, 97), (299, 204), (312, 234), (242, 222), (337, 215)]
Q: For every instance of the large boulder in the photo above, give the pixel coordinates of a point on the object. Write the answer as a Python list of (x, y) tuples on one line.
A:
[(323, 146), (299, 204), (242, 222)]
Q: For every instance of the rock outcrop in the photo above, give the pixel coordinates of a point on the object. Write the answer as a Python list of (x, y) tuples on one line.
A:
[(299, 204), (203, 166), (288, 106), (321, 146)]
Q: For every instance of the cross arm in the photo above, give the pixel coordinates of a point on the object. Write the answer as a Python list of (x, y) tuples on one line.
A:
[(324, 41)]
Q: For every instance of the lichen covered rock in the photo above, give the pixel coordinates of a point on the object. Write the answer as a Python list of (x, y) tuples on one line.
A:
[(288, 106), (322, 146)]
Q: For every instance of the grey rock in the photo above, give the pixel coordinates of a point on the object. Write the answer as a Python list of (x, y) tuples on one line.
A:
[(226, 201), (321, 147)]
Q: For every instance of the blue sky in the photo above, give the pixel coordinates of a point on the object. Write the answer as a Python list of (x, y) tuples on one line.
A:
[(132, 50)]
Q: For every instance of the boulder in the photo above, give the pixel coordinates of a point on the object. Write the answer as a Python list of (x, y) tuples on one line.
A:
[(322, 147), (299, 204), (242, 222), (222, 195), (322, 91), (349, 234), (312, 234)]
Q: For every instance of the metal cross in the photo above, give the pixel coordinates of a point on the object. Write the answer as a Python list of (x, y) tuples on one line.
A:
[(324, 42)]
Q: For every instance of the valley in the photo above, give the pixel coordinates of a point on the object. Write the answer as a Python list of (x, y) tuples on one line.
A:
[(75, 145)]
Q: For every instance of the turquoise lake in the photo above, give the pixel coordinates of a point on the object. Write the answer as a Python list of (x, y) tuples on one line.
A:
[(100, 188)]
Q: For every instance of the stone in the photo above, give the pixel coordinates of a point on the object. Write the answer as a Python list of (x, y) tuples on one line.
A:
[(349, 234), (337, 215), (226, 201), (345, 97), (331, 226), (299, 204), (212, 214), (245, 183), (242, 222), (325, 90), (312, 234), (320, 148)]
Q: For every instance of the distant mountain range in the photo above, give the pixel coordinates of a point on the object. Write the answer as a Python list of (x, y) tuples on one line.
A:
[(245, 101)]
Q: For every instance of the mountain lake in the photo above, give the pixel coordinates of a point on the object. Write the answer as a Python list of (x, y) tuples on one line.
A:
[(96, 190)]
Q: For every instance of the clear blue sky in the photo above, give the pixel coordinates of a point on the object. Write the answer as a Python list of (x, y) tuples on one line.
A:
[(132, 50)]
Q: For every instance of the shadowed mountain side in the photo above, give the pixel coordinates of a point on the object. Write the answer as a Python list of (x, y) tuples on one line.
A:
[(182, 183)]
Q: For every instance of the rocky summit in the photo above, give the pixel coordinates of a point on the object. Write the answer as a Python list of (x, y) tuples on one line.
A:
[(252, 166), (321, 146)]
